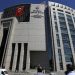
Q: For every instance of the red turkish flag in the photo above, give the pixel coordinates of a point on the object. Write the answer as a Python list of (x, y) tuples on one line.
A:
[(19, 10)]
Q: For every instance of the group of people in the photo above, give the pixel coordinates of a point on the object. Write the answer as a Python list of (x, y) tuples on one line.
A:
[(70, 70), (40, 70)]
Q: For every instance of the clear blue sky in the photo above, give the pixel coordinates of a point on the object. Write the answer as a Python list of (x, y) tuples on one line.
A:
[(7, 3)]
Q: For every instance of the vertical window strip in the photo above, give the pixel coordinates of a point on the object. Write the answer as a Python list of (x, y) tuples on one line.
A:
[(12, 56), (25, 55), (18, 56), (60, 59)]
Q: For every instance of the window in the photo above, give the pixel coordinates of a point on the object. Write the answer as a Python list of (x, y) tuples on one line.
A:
[(54, 15), (66, 43), (53, 8), (57, 35), (62, 23), (74, 19), (72, 32), (65, 37), (61, 19), (67, 12), (6, 24), (60, 10), (60, 59), (64, 30), (56, 27), (25, 55), (69, 17), (73, 37), (74, 44), (71, 26), (67, 50), (18, 56), (60, 14), (58, 42), (68, 58), (12, 56)]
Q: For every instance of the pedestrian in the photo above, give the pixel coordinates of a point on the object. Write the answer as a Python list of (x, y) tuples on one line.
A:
[(70, 70), (39, 70)]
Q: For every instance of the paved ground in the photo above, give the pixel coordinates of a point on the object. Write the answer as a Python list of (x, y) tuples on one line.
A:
[(34, 72)]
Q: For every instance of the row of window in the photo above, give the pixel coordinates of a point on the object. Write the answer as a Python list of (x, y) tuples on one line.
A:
[(65, 37), (18, 56), (59, 10), (66, 40), (72, 30), (61, 6)]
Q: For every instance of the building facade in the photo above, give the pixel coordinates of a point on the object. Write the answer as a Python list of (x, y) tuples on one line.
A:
[(33, 34), (23, 43), (62, 24)]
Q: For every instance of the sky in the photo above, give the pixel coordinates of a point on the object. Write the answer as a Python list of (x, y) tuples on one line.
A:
[(7, 3)]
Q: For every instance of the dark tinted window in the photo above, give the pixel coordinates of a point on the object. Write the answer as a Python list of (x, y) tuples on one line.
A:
[(22, 16)]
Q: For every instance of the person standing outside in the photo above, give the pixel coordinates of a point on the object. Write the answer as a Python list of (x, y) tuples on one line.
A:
[(70, 70), (39, 70)]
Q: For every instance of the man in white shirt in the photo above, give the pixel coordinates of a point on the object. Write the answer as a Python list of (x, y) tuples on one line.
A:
[(71, 73), (70, 70)]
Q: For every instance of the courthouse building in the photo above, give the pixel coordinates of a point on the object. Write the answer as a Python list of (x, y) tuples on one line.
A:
[(33, 34), (62, 25)]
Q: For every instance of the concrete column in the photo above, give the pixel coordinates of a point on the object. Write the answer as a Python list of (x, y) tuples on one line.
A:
[(15, 58), (28, 61), (61, 43), (21, 57), (8, 58), (55, 43)]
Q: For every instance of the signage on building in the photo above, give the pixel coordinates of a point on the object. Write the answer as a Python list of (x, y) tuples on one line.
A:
[(37, 13), (19, 10)]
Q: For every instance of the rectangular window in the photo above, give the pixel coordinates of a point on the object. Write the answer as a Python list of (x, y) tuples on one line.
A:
[(69, 16), (58, 42), (60, 10), (67, 50), (12, 56), (57, 36), (61, 14), (72, 29), (25, 55), (74, 19), (56, 27), (64, 31), (54, 13), (18, 56), (67, 12), (60, 59), (68, 58), (65, 37)]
